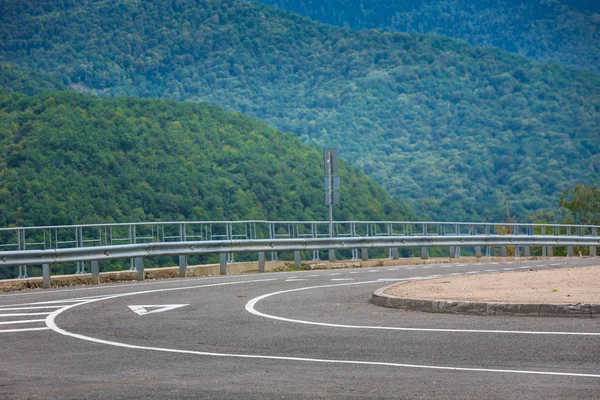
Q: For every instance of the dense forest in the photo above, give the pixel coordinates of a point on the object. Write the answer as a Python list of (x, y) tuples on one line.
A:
[(70, 158), (565, 31), (451, 128)]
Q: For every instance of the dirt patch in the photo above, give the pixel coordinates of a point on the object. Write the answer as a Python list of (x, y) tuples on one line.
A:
[(554, 286)]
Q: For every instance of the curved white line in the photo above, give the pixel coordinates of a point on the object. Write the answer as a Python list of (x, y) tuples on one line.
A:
[(250, 307), (51, 323)]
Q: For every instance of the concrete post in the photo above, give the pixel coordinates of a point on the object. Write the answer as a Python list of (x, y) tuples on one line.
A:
[(569, 251), (45, 276), (182, 266), (364, 254), (139, 267), (478, 252), (549, 251), (395, 253), (503, 251), (331, 255), (95, 272), (526, 251), (297, 259), (592, 251), (424, 253), (223, 263), (261, 261)]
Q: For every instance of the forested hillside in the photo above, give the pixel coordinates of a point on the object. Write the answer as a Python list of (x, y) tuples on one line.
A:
[(564, 31), (454, 129), (28, 82), (68, 158)]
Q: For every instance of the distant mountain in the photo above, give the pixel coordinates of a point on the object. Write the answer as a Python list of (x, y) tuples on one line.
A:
[(565, 31), (69, 158), (452, 128)]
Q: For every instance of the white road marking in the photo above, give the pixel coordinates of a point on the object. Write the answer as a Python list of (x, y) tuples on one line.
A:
[(354, 272), (335, 273), (373, 270), (433, 276), (51, 323), (342, 279), (472, 272), (295, 280), (143, 310), (45, 328), (250, 307), (455, 274), (27, 308), (22, 321), (392, 269), (507, 269), (24, 314), (314, 276), (491, 270)]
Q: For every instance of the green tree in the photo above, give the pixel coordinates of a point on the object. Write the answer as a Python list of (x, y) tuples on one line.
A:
[(583, 203)]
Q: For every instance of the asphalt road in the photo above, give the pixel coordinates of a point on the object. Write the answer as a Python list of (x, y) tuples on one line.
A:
[(309, 334)]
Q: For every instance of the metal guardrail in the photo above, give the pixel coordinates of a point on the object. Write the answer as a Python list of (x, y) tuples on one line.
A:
[(100, 253), (98, 235), (77, 243)]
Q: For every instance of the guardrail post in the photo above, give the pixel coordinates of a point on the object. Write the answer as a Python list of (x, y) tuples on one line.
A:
[(297, 259), (592, 251), (569, 251), (95, 272), (526, 251), (223, 263), (452, 252), (182, 266), (331, 255), (139, 267), (478, 252), (549, 251), (503, 251), (45, 276), (261, 261), (395, 253), (364, 254), (424, 253)]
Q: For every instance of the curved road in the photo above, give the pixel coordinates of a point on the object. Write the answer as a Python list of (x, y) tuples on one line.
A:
[(309, 334)]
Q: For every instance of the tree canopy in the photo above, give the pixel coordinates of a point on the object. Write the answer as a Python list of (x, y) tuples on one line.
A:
[(69, 158)]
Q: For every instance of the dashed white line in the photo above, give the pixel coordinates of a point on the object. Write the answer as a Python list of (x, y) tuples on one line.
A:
[(473, 272), (294, 280), (491, 270), (342, 279)]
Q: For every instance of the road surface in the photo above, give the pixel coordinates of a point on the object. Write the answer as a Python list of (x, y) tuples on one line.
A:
[(292, 335)]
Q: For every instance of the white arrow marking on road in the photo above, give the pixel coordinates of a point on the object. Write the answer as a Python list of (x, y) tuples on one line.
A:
[(143, 310)]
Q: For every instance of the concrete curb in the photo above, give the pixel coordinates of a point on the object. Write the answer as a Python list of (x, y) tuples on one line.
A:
[(380, 298)]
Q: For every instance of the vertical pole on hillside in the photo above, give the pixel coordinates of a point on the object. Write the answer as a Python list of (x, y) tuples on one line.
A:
[(332, 188)]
